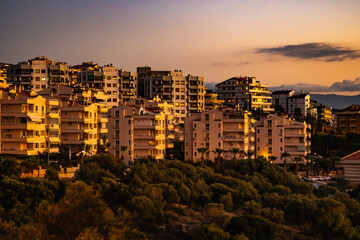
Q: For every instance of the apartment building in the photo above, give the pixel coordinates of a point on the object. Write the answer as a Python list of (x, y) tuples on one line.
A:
[(81, 123), (348, 119), (246, 91), (29, 124), (281, 98), (104, 78), (300, 101), (146, 72), (212, 101), (127, 85), (218, 129), (277, 134), (3, 74), (186, 93), (324, 113), (144, 131), (38, 73)]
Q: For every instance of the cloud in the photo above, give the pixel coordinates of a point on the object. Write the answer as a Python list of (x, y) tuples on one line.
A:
[(225, 64), (302, 87), (315, 51), (345, 85)]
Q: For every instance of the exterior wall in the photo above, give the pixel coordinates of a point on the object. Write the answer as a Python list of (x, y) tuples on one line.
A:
[(301, 101), (29, 124), (79, 124), (215, 129), (127, 86), (246, 91), (141, 131), (348, 119), (185, 93), (282, 98), (36, 74), (277, 134)]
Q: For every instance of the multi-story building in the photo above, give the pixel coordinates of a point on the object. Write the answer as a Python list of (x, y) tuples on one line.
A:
[(104, 78), (212, 101), (127, 85), (218, 129), (3, 74), (29, 124), (38, 73), (246, 91), (186, 93), (324, 113), (300, 101), (146, 72), (277, 134), (348, 119), (281, 98), (143, 131), (83, 124)]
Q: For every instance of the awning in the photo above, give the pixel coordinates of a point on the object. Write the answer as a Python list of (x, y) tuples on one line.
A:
[(34, 117)]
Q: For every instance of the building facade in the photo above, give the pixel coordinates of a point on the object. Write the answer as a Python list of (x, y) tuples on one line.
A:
[(37, 74), (218, 129), (277, 134), (246, 91), (186, 93), (348, 119), (29, 124), (143, 131)]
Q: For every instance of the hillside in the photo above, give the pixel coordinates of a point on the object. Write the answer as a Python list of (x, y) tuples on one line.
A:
[(336, 101)]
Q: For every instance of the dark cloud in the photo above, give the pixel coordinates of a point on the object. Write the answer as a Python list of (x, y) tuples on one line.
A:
[(242, 63), (345, 85), (318, 51)]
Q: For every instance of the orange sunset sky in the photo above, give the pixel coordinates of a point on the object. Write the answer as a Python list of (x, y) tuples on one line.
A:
[(279, 42)]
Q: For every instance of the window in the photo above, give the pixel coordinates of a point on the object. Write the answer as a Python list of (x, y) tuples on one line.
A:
[(37, 78), (114, 85), (258, 131), (258, 139), (269, 140), (108, 77), (269, 149), (269, 123), (207, 126), (37, 70), (281, 149), (219, 135), (108, 85), (207, 145), (206, 117), (177, 97), (43, 70), (114, 92), (281, 140), (258, 149), (43, 79), (269, 132), (114, 100)]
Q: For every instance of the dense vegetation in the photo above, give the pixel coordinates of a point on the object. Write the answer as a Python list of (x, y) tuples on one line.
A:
[(244, 199)]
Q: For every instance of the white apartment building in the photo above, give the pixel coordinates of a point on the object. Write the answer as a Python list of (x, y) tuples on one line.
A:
[(246, 91), (300, 101), (38, 73), (218, 129), (277, 134)]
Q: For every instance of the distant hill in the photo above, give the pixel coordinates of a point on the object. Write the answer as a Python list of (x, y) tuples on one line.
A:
[(336, 101)]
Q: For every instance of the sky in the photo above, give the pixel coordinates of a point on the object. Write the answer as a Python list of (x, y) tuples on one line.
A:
[(303, 44)]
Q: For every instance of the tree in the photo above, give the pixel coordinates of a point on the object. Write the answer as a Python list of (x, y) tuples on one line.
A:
[(296, 160), (284, 156), (123, 149), (218, 151), (202, 151), (105, 142), (249, 154), (307, 160), (272, 158), (297, 113), (9, 167), (234, 151), (85, 149)]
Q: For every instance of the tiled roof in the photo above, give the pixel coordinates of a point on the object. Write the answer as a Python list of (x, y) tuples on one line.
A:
[(352, 156)]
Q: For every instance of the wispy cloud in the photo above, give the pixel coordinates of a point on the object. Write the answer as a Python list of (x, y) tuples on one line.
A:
[(315, 51), (345, 85), (226, 64)]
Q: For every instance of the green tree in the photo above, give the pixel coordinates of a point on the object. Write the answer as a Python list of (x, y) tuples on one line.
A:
[(202, 151), (284, 156), (218, 151), (123, 149), (234, 151)]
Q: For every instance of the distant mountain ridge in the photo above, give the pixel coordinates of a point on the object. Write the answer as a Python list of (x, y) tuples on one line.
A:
[(336, 101)]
